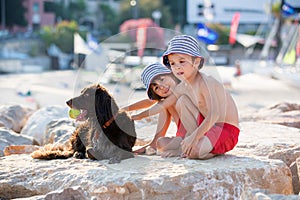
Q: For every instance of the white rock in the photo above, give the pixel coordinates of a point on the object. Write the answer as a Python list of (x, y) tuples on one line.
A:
[(145, 177), (8, 137), (14, 117), (37, 122)]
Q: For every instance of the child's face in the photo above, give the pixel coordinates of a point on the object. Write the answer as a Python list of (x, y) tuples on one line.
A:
[(163, 85), (183, 65)]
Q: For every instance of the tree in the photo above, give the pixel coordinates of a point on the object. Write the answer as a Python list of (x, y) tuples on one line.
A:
[(178, 9), (145, 9), (14, 13), (108, 15), (61, 35), (74, 11)]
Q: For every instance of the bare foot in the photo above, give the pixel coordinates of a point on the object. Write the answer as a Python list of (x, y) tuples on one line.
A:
[(140, 151), (171, 153)]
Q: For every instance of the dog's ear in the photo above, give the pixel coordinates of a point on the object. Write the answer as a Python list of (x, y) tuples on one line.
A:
[(105, 103)]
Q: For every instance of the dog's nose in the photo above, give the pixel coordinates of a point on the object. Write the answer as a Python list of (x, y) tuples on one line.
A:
[(69, 103)]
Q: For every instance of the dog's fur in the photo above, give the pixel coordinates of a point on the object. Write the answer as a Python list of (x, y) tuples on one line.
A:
[(92, 138)]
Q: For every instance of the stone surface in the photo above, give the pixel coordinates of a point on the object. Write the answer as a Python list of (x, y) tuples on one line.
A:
[(145, 177), (19, 149), (284, 113), (59, 131), (9, 137), (14, 117), (295, 177), (248, 166), (262, 139), (37, 122), (259, 194)]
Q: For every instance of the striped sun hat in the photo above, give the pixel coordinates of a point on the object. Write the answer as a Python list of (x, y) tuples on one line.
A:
[(150, 72), (183, 44)]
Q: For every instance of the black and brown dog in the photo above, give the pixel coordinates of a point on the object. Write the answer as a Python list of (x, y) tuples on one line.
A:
[(107, 133)]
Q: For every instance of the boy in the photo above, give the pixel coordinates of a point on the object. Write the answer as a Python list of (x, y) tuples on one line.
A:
[(211, 117)]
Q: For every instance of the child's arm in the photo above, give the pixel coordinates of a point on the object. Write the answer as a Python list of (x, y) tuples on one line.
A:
[(163, 124), (214, 108), (159, 107), (145, 103)]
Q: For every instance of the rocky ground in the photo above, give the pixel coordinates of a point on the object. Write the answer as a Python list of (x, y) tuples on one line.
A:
[(264, 164)]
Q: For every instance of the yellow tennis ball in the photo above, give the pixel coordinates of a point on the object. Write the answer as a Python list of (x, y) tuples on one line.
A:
[(73, 113)]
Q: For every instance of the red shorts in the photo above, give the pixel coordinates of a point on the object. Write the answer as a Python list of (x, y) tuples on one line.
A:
[(180, 130), (222, 136)]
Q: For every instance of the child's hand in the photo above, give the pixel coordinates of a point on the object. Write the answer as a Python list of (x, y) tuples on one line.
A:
[(187, 145)]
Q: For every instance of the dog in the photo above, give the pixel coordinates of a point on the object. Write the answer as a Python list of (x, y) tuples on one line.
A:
[(106, 133)]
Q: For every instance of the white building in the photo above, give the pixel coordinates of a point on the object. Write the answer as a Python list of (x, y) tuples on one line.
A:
[(222, 11), (252, 12)]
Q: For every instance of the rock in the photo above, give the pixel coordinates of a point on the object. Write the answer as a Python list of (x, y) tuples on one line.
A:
[(287, 114), (145, 177), (259, 194), (262, 139), (8, 138), (68, 193), (59, 131), (246, 167), (288, 155), (14, 117), (295, 177), (37, 122), (19, 149), (285, 106)]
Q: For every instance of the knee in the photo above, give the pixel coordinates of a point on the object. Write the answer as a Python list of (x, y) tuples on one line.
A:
[(181, 101)]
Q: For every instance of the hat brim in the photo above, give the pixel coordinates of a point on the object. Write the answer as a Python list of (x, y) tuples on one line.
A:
[(166, 60)]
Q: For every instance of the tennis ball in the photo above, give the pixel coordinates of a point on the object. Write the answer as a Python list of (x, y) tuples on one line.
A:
[(73, 113)]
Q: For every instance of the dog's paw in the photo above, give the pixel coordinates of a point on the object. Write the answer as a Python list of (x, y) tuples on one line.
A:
[(79, 155), (91, 153)]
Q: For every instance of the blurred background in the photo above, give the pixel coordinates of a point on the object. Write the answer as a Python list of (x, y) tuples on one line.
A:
[(250, 35)]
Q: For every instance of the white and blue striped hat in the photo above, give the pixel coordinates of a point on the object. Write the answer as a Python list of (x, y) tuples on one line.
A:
[(150, 72), (183, 44)]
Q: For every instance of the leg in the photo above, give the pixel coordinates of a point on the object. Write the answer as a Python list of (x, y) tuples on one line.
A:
[(76, 142), (188, 113), (169, 147), (202, 149)]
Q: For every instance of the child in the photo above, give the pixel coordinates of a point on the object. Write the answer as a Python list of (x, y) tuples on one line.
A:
[(159, 82), (211, 117)]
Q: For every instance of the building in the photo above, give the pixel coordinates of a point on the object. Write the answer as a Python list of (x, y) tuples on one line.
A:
[(252, 12), (35, 16)]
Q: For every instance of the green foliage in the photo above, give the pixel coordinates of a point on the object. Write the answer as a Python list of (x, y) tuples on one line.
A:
[(146, 8), (222, 31), (109, 16), (77, 9), (62, 35), (74, 11), (276, 8), (178, 10)]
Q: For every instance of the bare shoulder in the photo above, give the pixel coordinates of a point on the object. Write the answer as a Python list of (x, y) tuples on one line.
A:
[(180, 89), (211, 80)]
